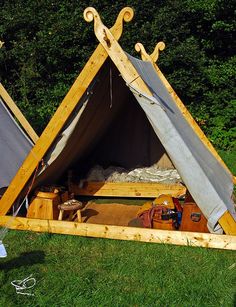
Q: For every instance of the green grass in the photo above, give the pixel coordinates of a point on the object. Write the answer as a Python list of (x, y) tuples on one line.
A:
[(75, 271)]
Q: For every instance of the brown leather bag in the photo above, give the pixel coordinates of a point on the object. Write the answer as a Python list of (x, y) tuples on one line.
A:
[(153, 218), (193, 218)]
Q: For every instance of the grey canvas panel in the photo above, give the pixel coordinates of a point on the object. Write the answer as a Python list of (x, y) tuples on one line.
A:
[(208, 181), (14, 146)]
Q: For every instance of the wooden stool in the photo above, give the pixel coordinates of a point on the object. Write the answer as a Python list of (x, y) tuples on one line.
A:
[(71, 206)]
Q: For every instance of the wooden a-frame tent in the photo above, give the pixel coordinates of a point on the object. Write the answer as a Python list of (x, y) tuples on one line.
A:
[(141, 77)]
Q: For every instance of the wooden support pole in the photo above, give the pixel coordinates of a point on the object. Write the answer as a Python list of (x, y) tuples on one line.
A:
[(112, 47), (123, 233), (61, 116), (228, 223)]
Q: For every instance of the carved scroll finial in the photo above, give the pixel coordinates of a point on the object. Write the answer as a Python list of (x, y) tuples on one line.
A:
[(126, 14), (140, 48), (159, 47), (91, 14), (152, 57)]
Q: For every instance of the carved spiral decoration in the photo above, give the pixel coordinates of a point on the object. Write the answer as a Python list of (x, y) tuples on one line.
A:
[(90, 13), (126, 14), (140, 48), (154, 56), (159, 47)]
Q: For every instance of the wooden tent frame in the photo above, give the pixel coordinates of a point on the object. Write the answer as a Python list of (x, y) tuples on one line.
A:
[(108, 46)]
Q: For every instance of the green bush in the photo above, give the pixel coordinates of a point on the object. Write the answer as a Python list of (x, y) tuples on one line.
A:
[(47, 44)]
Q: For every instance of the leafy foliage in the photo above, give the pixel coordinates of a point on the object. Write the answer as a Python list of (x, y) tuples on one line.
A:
[(47, 44)]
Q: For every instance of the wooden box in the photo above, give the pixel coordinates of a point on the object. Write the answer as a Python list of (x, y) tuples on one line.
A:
[(45, 205)]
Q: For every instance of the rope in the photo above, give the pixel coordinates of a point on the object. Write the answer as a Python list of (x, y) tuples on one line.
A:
[(5, 229), (25, 284), (111, 97)]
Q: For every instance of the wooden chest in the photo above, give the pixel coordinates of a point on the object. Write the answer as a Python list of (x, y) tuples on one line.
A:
[(193, 219)]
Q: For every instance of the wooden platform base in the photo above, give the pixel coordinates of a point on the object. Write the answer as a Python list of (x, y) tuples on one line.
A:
[(126, 189), (122, 233)]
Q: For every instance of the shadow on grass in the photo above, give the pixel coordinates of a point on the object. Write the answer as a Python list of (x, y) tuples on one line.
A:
[(25, 259)]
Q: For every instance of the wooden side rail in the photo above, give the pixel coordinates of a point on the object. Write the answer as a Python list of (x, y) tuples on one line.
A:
[(126, 189)]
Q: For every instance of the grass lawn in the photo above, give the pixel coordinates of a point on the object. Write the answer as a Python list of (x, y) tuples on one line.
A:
[(75, 271)]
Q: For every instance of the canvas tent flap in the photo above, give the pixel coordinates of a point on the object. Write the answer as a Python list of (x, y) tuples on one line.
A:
[(209, 183), (14, 146)]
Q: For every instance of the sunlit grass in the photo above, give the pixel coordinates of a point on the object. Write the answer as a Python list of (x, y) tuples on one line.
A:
[(74, 271)]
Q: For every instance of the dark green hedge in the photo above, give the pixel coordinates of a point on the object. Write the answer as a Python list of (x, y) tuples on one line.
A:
[(48, 42)]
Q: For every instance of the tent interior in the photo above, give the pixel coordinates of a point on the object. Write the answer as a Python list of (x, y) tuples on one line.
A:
[(109, 129), (112, 130)]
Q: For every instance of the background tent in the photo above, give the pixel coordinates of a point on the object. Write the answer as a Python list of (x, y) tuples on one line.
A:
[(15, 144)]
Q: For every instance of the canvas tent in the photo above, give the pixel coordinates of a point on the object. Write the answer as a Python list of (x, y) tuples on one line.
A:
[(104, 118), (15, 143)]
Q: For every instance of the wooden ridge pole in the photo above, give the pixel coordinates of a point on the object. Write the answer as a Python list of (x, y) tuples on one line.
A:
[(61, 115)]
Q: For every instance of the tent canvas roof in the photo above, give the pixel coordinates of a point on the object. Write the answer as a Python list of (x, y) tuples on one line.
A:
[(86, 113)]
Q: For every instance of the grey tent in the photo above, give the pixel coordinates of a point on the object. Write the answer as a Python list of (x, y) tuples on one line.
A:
[(15, 144)]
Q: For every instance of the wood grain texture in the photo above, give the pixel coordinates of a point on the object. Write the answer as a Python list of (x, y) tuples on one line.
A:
[(123, 233), (127, 189), (228, 223)]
